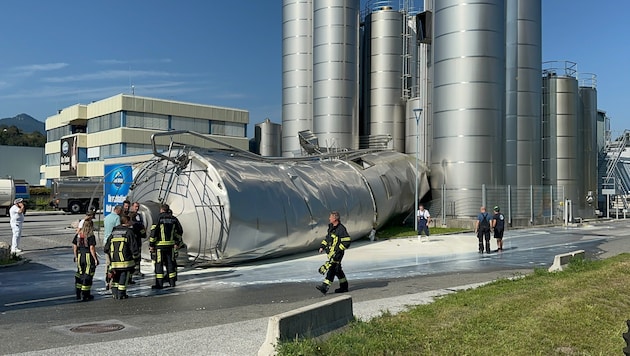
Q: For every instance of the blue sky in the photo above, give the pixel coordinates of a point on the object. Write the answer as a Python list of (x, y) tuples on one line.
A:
[(54, 54)]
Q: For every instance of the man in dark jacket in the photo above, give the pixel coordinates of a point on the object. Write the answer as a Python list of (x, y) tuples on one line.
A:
[(335, 243), (498, 225), (122, 249), (166, 237)]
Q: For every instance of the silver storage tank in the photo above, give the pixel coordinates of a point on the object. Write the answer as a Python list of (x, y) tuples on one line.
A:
[(384, 105), (297, 73), (336, 73), (268, 136), (588, 98), (561, 129), (468, 102), (524, 92), (236, 208)]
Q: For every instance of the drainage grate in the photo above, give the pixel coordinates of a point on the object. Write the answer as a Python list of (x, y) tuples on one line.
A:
[(97, 328)]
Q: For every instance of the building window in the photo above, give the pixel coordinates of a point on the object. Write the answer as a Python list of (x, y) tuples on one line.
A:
[(57, 133), (223, 128), (53, 159), (104, 122), (186, 123), (146, 121)]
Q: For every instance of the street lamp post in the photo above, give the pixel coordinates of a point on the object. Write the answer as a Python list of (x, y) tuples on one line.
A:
[(417, 113)]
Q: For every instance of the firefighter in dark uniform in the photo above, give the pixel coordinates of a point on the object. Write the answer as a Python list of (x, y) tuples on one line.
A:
[(122, 250), (166, 237), (84, 248), (335, 243), (137, 224)]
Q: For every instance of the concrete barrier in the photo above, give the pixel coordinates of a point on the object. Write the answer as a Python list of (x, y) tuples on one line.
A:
[(310, 321), (563, 259)]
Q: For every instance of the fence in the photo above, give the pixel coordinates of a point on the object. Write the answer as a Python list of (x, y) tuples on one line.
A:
[(522, 206)]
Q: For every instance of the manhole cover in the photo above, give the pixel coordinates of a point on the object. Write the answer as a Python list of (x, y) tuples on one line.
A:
[(97, 328)]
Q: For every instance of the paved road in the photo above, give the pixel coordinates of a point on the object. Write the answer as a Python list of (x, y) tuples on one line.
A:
[(224, 311)]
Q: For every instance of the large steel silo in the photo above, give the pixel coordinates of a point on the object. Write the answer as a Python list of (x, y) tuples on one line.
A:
[(336, 73), (469, 101), (236, 206), (561, 129), (384, 106), (297, 72), (588, 98), (524, 91)]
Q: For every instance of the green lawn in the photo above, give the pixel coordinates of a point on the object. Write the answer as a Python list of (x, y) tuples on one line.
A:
[(393, 232), (580, 311)]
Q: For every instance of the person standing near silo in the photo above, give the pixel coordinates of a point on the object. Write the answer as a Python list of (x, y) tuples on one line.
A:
[(166, 237), (482, 229), (424, 218), (498, 225)]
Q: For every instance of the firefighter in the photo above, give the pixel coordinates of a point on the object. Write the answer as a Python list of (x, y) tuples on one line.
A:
[(166, 237), (84, 249), (122, 249), (335, 243)]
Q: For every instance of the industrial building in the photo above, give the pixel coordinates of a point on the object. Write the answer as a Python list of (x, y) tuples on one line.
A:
[(461, 85), (81, 137)]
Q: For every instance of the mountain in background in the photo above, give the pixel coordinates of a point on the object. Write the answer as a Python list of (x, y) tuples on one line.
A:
[(25, 123)]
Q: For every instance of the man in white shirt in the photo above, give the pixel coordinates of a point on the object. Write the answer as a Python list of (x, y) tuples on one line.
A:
[(424, 218), (16, 214)]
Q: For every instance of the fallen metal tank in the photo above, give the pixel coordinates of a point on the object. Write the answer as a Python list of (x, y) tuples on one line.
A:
[(236, 206)]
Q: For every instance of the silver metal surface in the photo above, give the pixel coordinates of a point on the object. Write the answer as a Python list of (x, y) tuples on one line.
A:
[(588, 97), (237, 208), (469, 100), (268, 137), (561, 134), (384, 105), (336, 73), (297, 72)]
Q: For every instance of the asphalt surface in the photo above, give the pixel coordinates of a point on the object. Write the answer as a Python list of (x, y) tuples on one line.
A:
[(225, 311)]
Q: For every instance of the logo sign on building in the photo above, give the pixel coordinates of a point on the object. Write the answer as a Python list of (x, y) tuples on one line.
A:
[(69, 157), (118, 179)]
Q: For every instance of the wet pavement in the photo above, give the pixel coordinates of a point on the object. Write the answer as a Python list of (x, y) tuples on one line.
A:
[(224, 310)]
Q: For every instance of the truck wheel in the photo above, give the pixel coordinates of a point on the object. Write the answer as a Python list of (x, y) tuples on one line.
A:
[(75, 207)]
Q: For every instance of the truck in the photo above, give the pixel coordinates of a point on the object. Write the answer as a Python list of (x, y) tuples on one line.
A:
[(7, 194), (77, 194)]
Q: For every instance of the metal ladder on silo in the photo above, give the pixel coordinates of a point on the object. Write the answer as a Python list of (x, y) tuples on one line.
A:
[(178, 164)]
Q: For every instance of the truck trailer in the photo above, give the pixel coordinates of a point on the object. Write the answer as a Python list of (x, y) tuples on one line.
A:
[(77, 194), (7, 194)]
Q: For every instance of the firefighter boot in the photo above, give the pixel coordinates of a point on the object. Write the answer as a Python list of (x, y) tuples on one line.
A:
[(171, 281), (78, 291), (343, 287), (323, 288)]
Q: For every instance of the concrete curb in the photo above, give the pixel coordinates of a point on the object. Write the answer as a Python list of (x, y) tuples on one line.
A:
[(563, 259), (310, 321)]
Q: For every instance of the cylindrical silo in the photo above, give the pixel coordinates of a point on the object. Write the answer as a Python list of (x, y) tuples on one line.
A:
[(297, 72), (468, 102), (236, 207), (335, 73), (588, 98), (268, 136), (561, 129), (523, 100), (385, 107)]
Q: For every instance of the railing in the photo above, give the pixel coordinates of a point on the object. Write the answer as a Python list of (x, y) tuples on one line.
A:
[(531, 205)]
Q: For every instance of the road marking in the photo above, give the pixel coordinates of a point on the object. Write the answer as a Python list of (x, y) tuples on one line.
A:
[(39, 300)]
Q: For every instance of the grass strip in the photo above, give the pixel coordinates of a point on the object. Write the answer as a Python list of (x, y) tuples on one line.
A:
[(579, 311)]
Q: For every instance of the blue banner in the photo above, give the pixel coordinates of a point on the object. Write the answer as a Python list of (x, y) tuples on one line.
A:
[(118, 179)]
